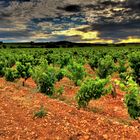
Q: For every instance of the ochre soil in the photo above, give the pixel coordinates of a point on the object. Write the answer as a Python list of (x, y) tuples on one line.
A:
[(103, 119)]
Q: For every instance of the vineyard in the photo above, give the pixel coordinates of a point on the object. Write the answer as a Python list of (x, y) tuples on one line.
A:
[(96, 87)]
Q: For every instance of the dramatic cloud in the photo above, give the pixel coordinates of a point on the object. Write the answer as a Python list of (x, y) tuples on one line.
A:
[(72, 20), (133, 3)]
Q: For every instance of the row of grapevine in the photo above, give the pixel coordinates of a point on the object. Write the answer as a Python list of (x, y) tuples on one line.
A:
[(47, 66)]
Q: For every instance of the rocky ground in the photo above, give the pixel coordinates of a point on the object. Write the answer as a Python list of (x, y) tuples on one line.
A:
[(104, 119)]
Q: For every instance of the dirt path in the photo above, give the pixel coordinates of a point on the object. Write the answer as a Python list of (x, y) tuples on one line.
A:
[(62, 121)]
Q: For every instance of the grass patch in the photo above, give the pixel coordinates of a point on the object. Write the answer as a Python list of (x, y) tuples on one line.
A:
[(40, 113)]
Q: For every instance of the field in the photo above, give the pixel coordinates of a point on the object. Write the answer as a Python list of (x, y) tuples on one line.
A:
[(70, 93)]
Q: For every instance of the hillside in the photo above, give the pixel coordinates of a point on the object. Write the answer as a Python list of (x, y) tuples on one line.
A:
[(106, 118)]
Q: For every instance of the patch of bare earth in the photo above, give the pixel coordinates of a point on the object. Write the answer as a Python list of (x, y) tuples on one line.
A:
[(105, 118)]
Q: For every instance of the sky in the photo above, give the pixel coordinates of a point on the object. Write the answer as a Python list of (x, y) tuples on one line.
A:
[(84, 21)]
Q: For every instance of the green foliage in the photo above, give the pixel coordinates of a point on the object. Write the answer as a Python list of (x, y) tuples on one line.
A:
[(11, 74), (60, 90), (1, 68), (26, 59), (43, 84), (24, 69), (93, 61), (41, 113), (46, 84), (65, 59), (125, 76), (122, 68), (132, 99), (10, 61), (50, 58), (77, 72), (45, 78), (90, 89), (106, 66), (134, 60), (133, 104), (61, 73), (38, 70), (80, 60)]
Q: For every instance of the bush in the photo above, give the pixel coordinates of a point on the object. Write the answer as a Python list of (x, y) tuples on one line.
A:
[(11, 74), (26, 58), (10, 61), (122, 68), (24, 70), (132, 101), (45, 79), (106, 66), (50, 58), (61, 73), (93, 61), (65, 59), (134, 60), (125, 76), (45, 84), (132, 98), (41, 113), (77, 72), (90, 89), (1, 68)]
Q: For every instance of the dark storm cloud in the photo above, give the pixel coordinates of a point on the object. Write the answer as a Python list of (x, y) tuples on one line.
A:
[(133, 3), (71, 8), (37, 19), (5, 14), (115, 31), (14, 34)]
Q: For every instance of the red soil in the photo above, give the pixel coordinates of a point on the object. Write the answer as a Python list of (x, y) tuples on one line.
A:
[(106, 118)]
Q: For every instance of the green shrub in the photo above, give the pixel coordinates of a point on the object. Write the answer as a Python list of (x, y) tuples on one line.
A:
[(25, 58), (1, 68), (90, 89), (132, 99), (65, 59), (38, 70), (106, 66), (11, 74), (61, 73), (122, 68), (24, 70), (10, 61), (77, 72), (133, 104), (41, 113), (45, 84), (125, 76), (50, 58), (134, 59), (93, 61), (45, 79)]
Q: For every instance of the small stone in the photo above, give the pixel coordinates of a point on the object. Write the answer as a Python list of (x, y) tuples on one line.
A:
[(86, 137), (105, 136)]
